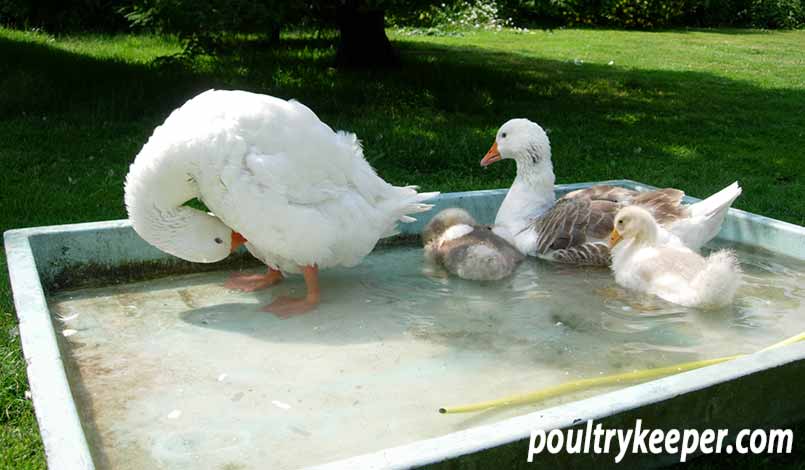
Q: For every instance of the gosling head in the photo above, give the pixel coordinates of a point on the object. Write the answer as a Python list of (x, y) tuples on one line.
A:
[(443, 221), (633, 223), (522, 141)]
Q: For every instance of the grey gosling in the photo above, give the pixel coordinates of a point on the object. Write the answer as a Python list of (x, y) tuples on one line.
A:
[(455, 241)]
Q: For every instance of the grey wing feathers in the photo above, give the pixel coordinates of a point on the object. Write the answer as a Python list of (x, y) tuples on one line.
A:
[(602, 192), (563, 226), (587, 254), (575, 231), (664, 204)]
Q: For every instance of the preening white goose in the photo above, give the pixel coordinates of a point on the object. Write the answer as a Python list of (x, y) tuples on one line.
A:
[(299, 195), (454, 240), (574, 229), (672, 272)]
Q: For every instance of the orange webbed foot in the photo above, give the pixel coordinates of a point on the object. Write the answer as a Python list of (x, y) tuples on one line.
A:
[(286, 307), (253, 282)]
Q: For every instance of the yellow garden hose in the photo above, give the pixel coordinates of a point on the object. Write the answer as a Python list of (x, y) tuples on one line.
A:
[(786, 342), (615, 379)]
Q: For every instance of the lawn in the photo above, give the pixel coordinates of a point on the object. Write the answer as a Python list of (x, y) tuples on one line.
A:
[(691, 109)]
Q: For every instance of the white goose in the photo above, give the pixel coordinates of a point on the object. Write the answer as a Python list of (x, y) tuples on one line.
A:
[(299, 195), (674, 273), (575, 228)]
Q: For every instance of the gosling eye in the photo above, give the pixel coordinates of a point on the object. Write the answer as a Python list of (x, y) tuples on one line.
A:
[(503, 135), (620, 222), (218, 240)]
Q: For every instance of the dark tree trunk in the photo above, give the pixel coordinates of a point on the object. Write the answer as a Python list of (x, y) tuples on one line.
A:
[(363, 40), (272, 37), (274, 32)]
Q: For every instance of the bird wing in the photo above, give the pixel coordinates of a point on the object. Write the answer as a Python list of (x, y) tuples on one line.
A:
[(664, 204), (575, 231), (602, 192), (287, 151), (288, 177)]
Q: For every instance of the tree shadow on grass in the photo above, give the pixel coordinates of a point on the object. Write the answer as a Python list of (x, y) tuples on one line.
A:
[(44, 80), (432, 119)]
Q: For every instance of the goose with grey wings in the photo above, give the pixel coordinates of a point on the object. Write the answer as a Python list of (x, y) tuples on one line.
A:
[(575, 228)]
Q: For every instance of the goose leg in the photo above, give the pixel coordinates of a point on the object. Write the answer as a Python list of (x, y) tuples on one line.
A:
[(253, 282), (285, 307)]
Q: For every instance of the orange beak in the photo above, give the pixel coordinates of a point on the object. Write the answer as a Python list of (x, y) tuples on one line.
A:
[(614, 238), (237, 241), (491, 156)]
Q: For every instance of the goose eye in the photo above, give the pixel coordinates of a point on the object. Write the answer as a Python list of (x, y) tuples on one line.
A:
[(620, 222), (503, 135), (218, 240)]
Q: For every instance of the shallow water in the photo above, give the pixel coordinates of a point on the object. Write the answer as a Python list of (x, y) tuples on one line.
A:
[(181, 372)]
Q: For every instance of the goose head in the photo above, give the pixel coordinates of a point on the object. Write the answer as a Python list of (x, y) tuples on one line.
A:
[(634, 223), (186, 233), (522, 141)]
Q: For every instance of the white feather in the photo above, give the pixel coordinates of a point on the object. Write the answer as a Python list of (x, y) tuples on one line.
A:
[(705, 218), (300, 193), (456, 231)]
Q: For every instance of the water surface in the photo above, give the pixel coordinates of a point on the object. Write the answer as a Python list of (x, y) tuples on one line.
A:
[(183, 373)]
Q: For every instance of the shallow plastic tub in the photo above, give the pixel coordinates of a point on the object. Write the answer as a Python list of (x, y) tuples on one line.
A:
[(58, 274)]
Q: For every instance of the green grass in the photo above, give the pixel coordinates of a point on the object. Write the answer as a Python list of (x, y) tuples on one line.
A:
[(690, 109)]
